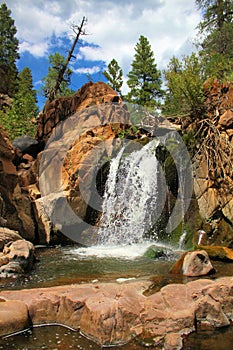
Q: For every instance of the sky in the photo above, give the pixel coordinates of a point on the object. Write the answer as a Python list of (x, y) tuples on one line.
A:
[(112, 30)]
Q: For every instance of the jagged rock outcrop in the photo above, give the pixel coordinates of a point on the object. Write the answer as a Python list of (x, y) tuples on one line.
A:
[(213, 175), (15, 208), (112, 314), (60, 109)]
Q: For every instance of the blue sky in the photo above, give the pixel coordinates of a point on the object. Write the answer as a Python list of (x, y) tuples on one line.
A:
[(113, 28)]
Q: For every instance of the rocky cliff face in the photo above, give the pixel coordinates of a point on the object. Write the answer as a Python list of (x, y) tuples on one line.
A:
[(213, 166), (15, 204), (94, 117)]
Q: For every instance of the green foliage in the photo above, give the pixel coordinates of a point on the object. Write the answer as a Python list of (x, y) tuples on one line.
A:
[(144, 78), (56, 61), (216, 37), (184, 80), (18, 120), (8, 52), (114, 74)]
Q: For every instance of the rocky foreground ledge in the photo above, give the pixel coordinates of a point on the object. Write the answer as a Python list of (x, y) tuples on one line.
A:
[(113, 313)]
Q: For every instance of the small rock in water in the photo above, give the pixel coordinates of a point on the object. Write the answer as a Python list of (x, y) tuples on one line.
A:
[(197, 263)]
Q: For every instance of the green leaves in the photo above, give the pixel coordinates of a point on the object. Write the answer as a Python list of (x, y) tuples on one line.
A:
[(216, 37), (184, 80), (18, 120)]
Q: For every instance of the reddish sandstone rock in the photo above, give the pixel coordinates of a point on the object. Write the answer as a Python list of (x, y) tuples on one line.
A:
[(226, 120), (60, 109), (16, 209), (218, 252), (17, 257), (13, 316), (111, 314), (196, 263)]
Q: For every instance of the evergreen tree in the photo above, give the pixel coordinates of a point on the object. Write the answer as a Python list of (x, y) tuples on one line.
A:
[(8, 52), (18, 120), (217, 40), (114, 74), (57, 62), (144, 78)]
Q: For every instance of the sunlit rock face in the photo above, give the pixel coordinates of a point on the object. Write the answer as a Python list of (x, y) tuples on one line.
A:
[(112, 314), (60, 109)]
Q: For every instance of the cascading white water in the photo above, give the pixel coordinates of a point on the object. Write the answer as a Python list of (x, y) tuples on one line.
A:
[(131, 197)]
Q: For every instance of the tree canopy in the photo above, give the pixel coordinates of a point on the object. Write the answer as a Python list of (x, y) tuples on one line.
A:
[(216, 37), (8, 52), (19, 118)]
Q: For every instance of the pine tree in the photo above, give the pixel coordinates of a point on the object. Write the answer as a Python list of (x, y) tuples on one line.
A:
[(114, 74), (8, 52), (217, 40), (56, 62), (144, 78)]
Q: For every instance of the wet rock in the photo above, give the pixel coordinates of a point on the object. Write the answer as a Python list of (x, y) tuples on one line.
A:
[(173, 341), (218, 252), (196, 263), (17, 258), (13, 316), (7, 235), (112, 314)]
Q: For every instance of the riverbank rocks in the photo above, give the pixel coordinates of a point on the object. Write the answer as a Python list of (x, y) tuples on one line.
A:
[(196, 263), (13, 316), (16, 258), (112, 314), (7, 235), (218, 252)]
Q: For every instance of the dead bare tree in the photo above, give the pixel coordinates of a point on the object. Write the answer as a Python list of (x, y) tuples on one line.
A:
[(78, 30)]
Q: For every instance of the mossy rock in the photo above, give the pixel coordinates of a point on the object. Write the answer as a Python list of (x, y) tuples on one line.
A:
[(154, 252), (218, 252)]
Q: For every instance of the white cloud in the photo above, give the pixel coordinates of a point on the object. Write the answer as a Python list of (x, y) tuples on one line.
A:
[(87, 70)]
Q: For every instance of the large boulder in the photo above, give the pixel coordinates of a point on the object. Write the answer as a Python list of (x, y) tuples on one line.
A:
[(13, 316), (7, 235), (17, 258), (197, 263)]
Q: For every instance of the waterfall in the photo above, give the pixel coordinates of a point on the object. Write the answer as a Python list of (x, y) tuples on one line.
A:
[(130, 204)]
